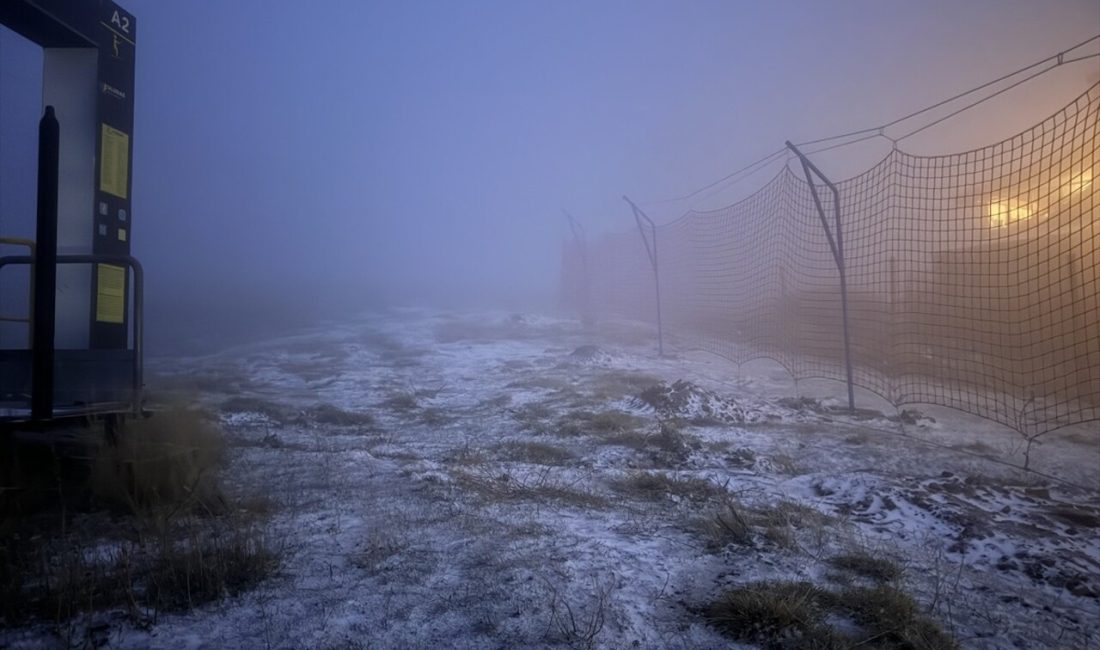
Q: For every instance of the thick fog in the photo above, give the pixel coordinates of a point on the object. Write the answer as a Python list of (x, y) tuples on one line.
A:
[(296, 159)]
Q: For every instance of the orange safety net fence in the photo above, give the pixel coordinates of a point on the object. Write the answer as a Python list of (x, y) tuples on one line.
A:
[(973, 278)]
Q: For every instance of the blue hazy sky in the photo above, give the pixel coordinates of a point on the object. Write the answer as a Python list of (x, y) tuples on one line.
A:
[(304, 148)]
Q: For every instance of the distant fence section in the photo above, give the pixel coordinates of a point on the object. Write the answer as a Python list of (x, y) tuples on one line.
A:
[(972, 279)]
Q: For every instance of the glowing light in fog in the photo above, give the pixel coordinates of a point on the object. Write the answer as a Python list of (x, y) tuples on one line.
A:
[(1077, 183), (1006, 211)]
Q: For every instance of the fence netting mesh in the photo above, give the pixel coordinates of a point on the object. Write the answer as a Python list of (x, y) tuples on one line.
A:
[(973, 278)]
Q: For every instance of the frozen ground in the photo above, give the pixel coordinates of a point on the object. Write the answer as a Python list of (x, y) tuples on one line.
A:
[(523, 483)]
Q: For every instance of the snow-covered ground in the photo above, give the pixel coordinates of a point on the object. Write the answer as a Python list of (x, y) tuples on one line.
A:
[(499, 498)]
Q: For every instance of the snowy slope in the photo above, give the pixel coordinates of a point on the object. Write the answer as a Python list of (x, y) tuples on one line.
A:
[(487, 505)]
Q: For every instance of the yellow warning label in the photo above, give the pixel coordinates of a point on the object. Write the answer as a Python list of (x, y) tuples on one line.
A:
[(122, 234), (114, 166), (110, 304)]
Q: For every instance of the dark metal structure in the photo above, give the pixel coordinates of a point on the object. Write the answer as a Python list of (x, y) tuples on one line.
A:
[(836, 246), (83, 355), (650, 243)]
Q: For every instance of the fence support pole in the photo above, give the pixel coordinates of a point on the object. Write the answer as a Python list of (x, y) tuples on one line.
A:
[(836, 245), (587, 318), (651, 251)]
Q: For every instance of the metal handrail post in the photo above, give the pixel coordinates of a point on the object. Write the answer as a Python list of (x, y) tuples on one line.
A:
[(44, 270)]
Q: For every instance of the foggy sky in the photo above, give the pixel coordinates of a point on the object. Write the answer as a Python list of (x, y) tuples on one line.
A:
[(290, 152)]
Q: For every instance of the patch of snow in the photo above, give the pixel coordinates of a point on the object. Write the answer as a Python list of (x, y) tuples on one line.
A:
[(423, 530)]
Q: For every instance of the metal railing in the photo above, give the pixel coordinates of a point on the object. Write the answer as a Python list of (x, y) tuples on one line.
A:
[(29, 318), (137, 319)]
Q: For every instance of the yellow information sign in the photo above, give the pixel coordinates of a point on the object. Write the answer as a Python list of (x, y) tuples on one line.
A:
[(114, 168), (110, 304)]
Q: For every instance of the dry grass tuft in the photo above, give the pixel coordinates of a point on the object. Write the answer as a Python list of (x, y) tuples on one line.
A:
[(402, 402), (657, 486), (196, 562), (171, 460), (612, 422), (467, 455), (435, 416), (786, 615), (179, 541), (668, 448), (336, 416), (783, 462), (891, 618), (580, 624), (865, 565), (733, 523), (616, 384), (604, 423), (541, 487), (782, 518), (537, 452), (728, 525), (775, 615), (674, 444), (377, 551), (209, 562), (636, 440), (533, 417)]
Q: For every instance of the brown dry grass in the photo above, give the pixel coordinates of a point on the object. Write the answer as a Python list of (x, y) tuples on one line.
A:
[(544, 487), (336, 416), (775, 615), (658, 486), (867, 565), (175, 539), (787, 615), (167, 461), (536, 452), (732, 523), (587, 423)]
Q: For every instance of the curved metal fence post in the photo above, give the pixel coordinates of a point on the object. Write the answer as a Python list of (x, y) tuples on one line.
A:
[(651, 251), (836, 245)]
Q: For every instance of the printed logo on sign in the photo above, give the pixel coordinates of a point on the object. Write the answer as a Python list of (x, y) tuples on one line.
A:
[(108, 89), (121, 21)]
